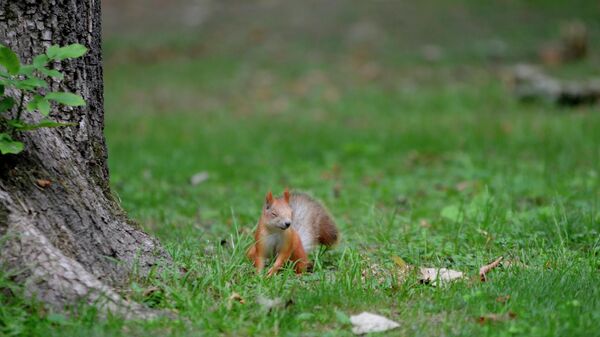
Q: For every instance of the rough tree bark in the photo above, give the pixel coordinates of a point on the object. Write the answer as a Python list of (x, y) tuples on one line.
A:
[(69, 240)]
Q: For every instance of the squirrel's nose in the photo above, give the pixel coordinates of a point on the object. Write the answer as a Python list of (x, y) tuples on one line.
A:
[(287, 224)]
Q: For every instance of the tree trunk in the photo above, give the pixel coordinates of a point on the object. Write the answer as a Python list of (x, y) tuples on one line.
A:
[(69, 240)]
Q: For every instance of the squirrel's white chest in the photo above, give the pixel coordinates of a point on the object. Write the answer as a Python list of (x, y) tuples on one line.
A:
[(272, 244)]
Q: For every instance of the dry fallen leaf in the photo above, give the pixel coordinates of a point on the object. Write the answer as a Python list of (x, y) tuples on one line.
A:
[(403, 269), (493, 318), (374, 270), (43, 183), (431, 275), (235, 297), (487, 268), (503, 299), (384, 273), (367, 322), (424, 223), (463, 185)]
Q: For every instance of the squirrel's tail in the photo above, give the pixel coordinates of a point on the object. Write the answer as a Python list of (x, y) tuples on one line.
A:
[(328, 232)]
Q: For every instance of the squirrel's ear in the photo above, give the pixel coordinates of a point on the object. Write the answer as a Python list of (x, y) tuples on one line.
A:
[(286, 195), (269, 199)]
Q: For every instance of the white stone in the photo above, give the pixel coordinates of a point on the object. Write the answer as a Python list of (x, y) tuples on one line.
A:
[(199, 178), (432, 275), (367, 322)]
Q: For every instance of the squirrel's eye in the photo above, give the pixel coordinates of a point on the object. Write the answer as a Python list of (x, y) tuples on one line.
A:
[(273, 214)]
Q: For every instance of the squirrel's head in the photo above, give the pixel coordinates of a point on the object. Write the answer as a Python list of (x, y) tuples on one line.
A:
[(277, 212)]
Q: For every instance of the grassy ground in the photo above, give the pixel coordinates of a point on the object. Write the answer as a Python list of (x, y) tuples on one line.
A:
[(435, 163)]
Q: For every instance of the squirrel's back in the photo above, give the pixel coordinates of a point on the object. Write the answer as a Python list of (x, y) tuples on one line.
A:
[(312, 221)]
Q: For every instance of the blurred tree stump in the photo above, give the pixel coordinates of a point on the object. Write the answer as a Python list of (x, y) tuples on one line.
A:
[(572, 46)]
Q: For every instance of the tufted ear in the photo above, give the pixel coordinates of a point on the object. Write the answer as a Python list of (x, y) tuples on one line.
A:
[(286, 195), (269, 199)]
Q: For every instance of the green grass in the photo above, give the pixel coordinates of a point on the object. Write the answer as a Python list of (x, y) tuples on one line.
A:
[(433, 163)]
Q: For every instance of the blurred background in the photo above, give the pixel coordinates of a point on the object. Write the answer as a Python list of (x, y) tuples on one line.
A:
[(373, 106), (378, 31)]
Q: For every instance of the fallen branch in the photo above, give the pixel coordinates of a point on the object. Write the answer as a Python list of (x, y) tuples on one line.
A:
[(487, 268), (530, 83)]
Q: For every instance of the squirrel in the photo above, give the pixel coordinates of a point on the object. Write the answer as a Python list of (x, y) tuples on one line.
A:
[(289, 228)]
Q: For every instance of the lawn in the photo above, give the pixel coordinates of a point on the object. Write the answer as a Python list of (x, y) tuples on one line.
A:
[(434, 163)]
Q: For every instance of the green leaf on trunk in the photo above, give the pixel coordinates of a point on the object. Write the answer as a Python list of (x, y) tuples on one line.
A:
[(52, 73), (39, 103), (31, 83), (44, 106), (27, 70), (33, 104), (66, 98), (40, 61), (71, 51), (6, 103), (8, 145), (9, 60)]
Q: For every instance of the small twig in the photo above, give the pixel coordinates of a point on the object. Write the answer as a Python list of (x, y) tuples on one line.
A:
[(23, 206), (487, 268)]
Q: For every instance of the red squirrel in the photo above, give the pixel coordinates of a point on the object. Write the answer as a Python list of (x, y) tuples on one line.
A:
[(289, 228)]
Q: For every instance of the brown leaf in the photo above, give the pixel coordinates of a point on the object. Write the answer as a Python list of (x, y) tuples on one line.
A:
[(43, 183), (235, 297), (487, 268), (424, 223), (494, 318), (503, 299), (332, 174), (463, 185)]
